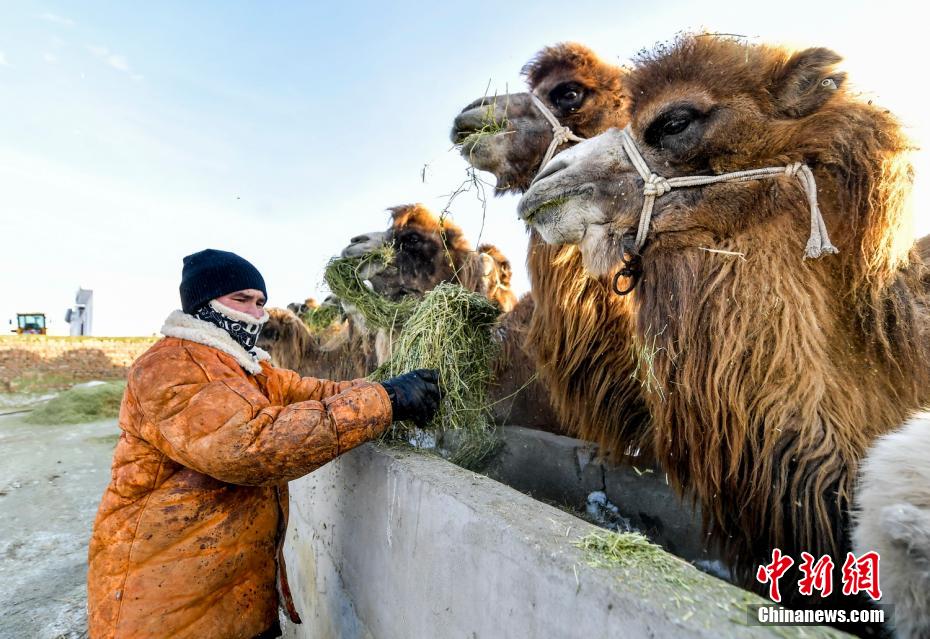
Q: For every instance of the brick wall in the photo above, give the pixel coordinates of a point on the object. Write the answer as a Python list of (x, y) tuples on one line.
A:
[(33, 363)]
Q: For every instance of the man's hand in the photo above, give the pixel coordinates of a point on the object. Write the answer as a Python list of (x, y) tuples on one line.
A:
[(415, 395)]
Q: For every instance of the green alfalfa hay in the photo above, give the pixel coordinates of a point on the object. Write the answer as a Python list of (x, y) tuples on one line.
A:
[(612, 549), (346, 279), (657, 570), (450, 330), (321, 318)]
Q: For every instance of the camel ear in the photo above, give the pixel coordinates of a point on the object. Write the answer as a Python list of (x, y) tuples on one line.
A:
[(806, 81)]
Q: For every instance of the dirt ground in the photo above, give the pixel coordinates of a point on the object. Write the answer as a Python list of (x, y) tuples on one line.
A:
[(51, 480)]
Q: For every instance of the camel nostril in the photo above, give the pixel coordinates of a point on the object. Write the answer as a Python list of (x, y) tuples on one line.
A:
[(465, 124), (358, 238)]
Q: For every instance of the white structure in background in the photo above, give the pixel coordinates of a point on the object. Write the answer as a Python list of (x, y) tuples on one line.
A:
[(79, 316)]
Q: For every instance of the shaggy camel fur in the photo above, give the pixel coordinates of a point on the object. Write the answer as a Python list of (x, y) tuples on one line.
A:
[(516, 396), (574, 331), (769, 376), (892, 517)]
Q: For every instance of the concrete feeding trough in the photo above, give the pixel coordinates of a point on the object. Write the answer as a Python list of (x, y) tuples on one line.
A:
[(395, 543)]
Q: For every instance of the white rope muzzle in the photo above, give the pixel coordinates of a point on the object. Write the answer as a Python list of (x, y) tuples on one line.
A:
[(656, 186), (560, 134)]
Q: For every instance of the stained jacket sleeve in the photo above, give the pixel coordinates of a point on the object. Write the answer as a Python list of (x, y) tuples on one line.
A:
[(301, 389), (227, 429)]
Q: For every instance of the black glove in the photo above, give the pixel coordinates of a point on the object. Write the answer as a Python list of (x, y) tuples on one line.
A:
[(415, 395)]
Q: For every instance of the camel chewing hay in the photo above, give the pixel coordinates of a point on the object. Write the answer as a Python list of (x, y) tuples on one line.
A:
[(490, 126), (346, 278)]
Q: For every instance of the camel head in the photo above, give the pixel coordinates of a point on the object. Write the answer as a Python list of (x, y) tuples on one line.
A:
[(707, 106), (487, 271), (429, 250), (509, 135), (302, 308)]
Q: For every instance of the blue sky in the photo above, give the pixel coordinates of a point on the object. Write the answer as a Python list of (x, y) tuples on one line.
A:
[(132, 134)]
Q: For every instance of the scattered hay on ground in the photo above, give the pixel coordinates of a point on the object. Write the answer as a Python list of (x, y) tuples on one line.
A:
[(80, 404)]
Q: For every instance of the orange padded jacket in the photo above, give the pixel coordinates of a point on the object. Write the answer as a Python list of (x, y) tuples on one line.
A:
[(187, 540)]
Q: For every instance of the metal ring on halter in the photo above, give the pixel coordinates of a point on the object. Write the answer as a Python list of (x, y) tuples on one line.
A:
[(633, 269)]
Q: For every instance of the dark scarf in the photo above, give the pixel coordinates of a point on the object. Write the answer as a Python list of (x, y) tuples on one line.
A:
[(245, 333)]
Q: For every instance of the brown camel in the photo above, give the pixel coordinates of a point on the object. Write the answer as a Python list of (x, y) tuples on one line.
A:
[(769, 376), (429, 251), (340, 352), (574, 330), (509, 136)]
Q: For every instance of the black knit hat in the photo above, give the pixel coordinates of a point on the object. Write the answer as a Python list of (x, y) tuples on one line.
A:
[(209, 274)]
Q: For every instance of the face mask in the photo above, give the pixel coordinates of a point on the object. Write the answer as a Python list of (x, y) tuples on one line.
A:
[(241, 327)]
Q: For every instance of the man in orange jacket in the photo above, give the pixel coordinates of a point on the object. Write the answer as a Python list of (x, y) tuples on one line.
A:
[(187, 540)]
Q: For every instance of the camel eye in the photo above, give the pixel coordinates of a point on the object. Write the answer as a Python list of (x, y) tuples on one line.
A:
[(676, 126), (674, 122), (568, 96)]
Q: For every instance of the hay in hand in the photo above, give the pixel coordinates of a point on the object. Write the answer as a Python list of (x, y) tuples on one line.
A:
[(346, 279), (81, 404), (450, 330)]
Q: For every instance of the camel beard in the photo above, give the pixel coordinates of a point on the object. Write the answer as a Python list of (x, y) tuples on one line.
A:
[(243, 328)]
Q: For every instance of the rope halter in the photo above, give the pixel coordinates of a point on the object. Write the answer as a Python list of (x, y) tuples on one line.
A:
[(560, 134), (655, 186)]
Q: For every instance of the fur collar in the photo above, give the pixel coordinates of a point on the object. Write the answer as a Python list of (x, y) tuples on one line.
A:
[(181, 325)]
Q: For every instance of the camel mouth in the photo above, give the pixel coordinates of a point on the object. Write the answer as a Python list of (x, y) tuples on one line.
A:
[(477, 124), (546, 211), (471, 143), (537, 206)]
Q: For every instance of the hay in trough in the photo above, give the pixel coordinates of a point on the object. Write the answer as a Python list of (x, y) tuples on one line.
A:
[(611, 549), (84, 403), (346, 279), (450, 330)]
